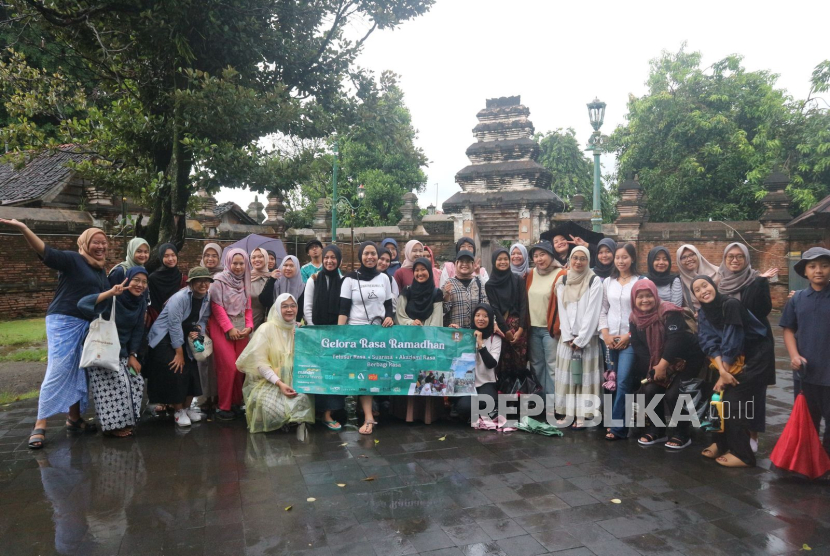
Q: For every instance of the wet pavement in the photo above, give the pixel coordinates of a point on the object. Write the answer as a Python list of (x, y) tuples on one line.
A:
[(442, 490)]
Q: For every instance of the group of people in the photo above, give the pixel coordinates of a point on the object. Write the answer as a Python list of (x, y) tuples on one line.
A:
[(583, 318)]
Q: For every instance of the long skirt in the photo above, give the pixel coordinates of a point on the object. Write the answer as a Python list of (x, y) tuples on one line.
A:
[(117, 396), (165, 386), (513, 356), (65, 382), (576, 399), (268, 409), (228, 379)]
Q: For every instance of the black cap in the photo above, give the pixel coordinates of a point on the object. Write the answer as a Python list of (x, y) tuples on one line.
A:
[(464, 254), (311, 243), (809, 255), (544, 246)]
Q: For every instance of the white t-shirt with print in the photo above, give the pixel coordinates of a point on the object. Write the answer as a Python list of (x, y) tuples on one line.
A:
[(367, 297)]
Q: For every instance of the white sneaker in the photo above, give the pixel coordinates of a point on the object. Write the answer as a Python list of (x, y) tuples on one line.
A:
[(194, 415), (181, 418)]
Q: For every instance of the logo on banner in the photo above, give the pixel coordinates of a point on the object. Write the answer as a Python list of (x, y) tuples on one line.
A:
[(373, 377), (456, 336)]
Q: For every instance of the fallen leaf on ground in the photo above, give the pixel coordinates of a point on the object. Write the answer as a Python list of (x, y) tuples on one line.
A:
[(363, 456), (344, 444), (370, 478), (377, 441), (310, 499), (341, 485), (443, 438), (616, 501), (805, 546), (288, 508)]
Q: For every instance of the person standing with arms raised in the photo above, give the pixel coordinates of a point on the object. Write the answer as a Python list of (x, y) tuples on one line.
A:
[(64, 388)]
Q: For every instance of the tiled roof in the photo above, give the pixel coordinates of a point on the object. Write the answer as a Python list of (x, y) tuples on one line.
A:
[(223, 208), (37, 179), (231, 206)]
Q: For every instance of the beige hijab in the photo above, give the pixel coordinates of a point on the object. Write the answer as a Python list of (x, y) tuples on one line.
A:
[(686, 277), (578, 282), (84, 241)]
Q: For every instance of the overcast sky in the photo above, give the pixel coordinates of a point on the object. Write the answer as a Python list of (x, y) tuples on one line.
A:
[(560, 55)]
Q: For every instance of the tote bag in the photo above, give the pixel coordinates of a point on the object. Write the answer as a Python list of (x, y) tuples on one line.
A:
[(102, 346)]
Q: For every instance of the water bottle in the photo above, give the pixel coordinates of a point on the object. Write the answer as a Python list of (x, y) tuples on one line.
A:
[(576, 366), (716, 413), (199, 345)]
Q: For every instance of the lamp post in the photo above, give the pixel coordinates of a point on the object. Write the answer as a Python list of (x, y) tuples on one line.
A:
[(596, 112), (334, 195), (361, 193)]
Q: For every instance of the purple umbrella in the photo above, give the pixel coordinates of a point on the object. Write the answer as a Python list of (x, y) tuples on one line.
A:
[(255, 241)]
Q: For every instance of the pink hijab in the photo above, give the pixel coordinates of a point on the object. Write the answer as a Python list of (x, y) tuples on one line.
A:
[(409, 258), (228, 290)]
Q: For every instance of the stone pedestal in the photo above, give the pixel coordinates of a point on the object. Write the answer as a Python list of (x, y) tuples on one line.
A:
[(411, 213), (322, 220), (275, 214), (631, 208), (255, 210), (206, 214)]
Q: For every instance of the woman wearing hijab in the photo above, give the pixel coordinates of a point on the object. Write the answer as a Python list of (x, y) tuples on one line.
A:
[(508, 296), (118, 394), (739, 280), (421, 303), (231, 323), (322, 308), (366, 298), (691, 263), (666, 352), (272, 261), (394, 264), (138, 253), (605, 257), (739, 349), (543, 313), (463, 244), (164, 281), (174, 378), (259, 277), (288, 280), (519, 261), (268, 361), (429, 254), (212, 258), (578, 361), (64, 387), (413, 250), (669, 286), (488, 351), (384, 260)]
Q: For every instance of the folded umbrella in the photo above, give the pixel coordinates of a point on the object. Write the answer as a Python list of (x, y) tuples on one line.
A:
[(528, 424), (799, 448)]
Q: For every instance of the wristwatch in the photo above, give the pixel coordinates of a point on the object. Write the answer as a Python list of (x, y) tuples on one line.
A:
[(134, 354)]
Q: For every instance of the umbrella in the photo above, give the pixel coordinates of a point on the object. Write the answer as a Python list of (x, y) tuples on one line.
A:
[(254, 241), (569, 228), (799, 448)]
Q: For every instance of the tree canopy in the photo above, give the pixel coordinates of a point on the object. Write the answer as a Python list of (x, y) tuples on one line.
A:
[(702, 140), (573, 172), (170, 97)]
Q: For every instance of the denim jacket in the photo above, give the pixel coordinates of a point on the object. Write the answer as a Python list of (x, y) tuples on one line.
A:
[(170, 320)]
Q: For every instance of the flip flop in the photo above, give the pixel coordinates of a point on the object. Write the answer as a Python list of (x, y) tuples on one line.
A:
[(731, 460), (680, 443), (650, 440), (372, 423), (333, 425)]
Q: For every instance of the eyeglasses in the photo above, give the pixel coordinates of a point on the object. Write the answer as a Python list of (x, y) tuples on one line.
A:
[(139, 282), (688, 257), (292, 306), (735, 257), (579, 259)]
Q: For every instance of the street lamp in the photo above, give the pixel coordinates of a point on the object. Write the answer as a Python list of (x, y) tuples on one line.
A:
[(596, 113)]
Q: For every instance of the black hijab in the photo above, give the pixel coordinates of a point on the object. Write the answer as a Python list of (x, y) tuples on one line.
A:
[(365, 273), (325, 307), (420, 297), (165, 281), (465, 240), (132, 304), (604, 270), (503, 287), (272, 254), (488, 330), (722, 310), (664, 278)]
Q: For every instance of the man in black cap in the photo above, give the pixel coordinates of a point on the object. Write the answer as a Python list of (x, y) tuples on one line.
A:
[(314, 249), (806, 323)]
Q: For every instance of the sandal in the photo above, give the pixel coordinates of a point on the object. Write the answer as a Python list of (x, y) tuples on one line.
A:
[(611, 437), (332, 425), (80, 425), (37, 444), (120, 433), (731, 460), (711, 452), (370, 431), (649, 440), (678, 443)]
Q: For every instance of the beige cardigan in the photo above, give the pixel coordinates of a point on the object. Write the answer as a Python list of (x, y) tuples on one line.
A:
[(436, 319)]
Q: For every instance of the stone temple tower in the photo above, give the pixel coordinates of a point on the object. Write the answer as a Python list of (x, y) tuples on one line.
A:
[(505, 193)]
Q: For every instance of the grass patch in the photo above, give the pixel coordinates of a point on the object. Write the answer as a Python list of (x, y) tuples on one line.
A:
[(9, 397), (35, 354), (24, 331)]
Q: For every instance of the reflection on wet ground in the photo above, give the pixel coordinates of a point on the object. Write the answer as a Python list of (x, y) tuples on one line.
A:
[(216, 490)]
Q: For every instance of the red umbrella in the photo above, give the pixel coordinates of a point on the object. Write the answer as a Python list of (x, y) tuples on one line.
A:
[(799, 448)]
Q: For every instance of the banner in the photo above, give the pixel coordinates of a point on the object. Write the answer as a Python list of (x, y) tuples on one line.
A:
[(395, 361)]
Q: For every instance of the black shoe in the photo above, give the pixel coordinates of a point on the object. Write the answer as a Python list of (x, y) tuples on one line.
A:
[(238, 410), (223, 415)]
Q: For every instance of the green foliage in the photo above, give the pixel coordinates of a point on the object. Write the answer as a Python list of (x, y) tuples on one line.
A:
[(171, 96), (376, 150), (573, 172)]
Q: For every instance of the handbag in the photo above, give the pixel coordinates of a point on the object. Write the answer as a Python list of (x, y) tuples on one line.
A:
[(102, 348)]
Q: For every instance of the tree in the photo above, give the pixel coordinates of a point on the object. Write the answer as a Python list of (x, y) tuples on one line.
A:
[(703, 140), (377, 151), (572, 171), (185, 89)]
